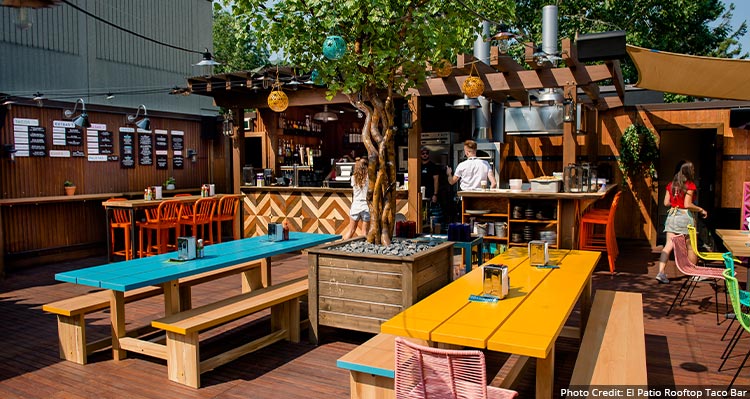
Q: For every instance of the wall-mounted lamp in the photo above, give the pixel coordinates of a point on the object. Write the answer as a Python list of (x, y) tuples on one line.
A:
[(145, 122), (8, 151), (192, 154), (39, 98), (81, 120), (406, 117), (227, 126), (569, 109)]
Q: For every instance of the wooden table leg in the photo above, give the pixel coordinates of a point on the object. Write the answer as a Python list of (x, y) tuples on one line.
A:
[(585, 301), (117, 316), (545, 375), (265, 271), (171, 297)]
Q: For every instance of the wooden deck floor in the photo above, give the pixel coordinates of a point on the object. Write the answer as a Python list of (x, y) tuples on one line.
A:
[(682, 349)]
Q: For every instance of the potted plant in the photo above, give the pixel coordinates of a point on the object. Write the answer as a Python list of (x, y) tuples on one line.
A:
[(638, 153), (70, 187), (169, 183)]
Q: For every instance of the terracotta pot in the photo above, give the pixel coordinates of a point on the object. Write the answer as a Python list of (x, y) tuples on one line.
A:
[(70, 190)]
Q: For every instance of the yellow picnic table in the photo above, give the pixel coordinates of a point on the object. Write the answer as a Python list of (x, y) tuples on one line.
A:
[(525, 323)]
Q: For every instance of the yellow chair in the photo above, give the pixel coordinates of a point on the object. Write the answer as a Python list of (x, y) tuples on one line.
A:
[(705, 256)]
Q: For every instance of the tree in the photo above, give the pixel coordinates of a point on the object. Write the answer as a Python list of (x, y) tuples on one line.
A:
[(233, 45), (678, 26), (389, 44)]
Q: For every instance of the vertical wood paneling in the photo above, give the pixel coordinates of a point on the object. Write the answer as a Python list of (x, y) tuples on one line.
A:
[(32, 177)]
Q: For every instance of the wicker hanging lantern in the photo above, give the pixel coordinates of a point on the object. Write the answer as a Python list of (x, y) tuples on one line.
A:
[(334, 47), (442, 68), (277, 99), (473, 85)]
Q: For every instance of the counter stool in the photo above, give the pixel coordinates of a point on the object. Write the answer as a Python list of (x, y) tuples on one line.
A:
[(161, 222), (591, 238), (226, 211), (467, 248), (120, 220), (200, 214)]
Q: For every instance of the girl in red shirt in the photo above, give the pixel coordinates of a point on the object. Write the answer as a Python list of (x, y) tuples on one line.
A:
[(679, 196)]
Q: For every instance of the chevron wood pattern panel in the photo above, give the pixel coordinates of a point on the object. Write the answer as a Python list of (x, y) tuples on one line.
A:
[(317, 211)]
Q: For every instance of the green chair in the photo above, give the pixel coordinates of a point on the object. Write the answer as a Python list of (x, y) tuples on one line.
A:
[(733, 288), (705, 256)]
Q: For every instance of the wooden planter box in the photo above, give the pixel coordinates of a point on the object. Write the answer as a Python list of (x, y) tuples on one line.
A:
[(361, 291)]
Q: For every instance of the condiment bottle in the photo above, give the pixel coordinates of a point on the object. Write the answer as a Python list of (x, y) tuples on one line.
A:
[(199, 248)]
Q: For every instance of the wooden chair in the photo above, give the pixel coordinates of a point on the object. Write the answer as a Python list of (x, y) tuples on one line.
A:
[(199, 216), (165, 219), (120, 220), (590, 239), (423, 372), (226, 211)]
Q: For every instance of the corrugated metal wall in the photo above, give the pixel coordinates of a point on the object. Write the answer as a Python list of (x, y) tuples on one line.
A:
[(66, 54)]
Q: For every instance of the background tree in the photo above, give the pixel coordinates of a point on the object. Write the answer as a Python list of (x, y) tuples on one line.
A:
[(234, 45), (389, 44), (696, 27)]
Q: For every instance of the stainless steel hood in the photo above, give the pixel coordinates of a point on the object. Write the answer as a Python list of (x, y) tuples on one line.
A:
[(537, 120)]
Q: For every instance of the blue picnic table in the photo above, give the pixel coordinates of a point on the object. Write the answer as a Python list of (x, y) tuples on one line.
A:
[(163, 270)]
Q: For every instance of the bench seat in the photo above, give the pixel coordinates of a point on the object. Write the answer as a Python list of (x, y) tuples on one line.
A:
[(71, 312), (372, 367), (613, 348), (182, 349)]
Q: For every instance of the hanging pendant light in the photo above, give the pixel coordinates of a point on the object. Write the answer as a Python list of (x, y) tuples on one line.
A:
[(466, 103), (442, 68), (473, 85), (325, 116), (277, 99)]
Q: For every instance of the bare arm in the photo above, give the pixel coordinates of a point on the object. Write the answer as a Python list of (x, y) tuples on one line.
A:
[(451, 178), (491, 176), (435, 189), (667, 199), (690, 206)]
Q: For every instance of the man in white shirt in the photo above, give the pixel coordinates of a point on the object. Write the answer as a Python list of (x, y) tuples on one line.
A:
[(472, 171)]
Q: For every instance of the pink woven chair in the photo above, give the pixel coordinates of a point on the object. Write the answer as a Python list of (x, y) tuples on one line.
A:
[(696, 273), (423, 372)]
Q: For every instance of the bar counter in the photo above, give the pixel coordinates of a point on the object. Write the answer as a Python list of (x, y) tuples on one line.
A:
[(552, 212), (322, 210)]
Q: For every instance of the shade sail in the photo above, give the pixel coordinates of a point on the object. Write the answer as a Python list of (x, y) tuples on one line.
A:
[(723, 78)]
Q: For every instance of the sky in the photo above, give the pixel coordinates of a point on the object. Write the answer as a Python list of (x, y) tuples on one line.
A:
[(741, 12)]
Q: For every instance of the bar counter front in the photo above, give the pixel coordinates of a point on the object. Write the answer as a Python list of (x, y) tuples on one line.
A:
[(307, 209)]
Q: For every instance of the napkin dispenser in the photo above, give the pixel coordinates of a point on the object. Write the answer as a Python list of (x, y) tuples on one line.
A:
[(496, 281), (538, 253), (275, 232), (186, 248)]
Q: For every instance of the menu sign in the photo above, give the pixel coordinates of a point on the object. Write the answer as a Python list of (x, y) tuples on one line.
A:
[(74, 137), (106, 143), (161, 148), (21, 135), (127, 148), (178, 140), (37, 141), (145, 148)]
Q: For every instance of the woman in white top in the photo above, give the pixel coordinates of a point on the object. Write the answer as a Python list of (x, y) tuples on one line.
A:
[(359, 211), (472, 171)]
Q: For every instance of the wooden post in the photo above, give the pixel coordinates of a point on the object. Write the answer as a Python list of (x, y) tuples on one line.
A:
[(413, 165)]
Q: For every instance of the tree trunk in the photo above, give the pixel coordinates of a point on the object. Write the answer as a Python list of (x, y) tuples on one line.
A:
[(381, 153)]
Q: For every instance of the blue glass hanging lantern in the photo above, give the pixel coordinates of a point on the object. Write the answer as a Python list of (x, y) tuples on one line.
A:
[(315, 77), (334, 47)]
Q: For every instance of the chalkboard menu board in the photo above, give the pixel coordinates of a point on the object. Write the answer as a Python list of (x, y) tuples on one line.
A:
[(127, 148), (145, 149), (74, 136), (37, 141), (106, 143), (178, 143), (161, 149)]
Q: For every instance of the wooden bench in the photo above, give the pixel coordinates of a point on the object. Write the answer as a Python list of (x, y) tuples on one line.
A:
[(182, 349), (71, 312), (613, 348), (371, 367)]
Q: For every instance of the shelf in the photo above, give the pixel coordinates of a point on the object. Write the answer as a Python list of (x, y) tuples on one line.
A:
[(542, 221), (495, 238), (526, 244), (301, 132), (490, 215)]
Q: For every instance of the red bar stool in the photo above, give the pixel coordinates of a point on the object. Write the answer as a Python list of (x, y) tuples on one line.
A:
[(199, 217), (161, 222), (592, 238), (226, 212), (120, 220)]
